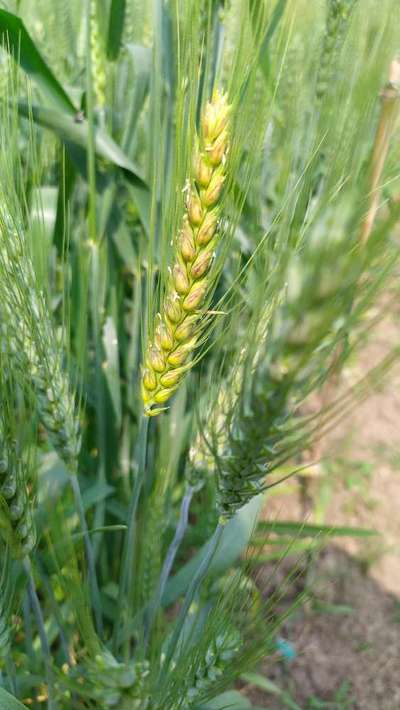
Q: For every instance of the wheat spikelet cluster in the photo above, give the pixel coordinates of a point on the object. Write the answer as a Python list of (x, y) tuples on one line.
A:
[(250, 428), (213, 438), (210, 664), (97, 58), (7, 603), (16, 501), (220, 653), (33, 346), (112, 684), (177, 331), (338, 16)]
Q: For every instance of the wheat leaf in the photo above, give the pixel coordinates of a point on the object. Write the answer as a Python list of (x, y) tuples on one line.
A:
[(8, 702), (115, 28), (235, 539), (17, 39)]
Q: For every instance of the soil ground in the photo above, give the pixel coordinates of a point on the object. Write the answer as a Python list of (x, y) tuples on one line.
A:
[(347, 641)]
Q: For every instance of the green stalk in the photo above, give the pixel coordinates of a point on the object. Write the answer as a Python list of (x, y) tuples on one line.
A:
[(169, 561), (41, 628), (190, 595), (95, 273), (128, 552), (12, 674), (94, 587)]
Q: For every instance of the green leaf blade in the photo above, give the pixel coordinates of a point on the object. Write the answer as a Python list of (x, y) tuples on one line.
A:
[(18, 42), (8, 702)]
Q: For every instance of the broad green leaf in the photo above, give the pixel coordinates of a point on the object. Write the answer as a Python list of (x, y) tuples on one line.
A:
[(96, 493), (298, 529), (73, 131), (17, 40), (8, 702), (41, 228), (139, 61), (111, 367), (67, 180), (115, 28), (326, 608), (261, 682), (231, 700), (276, 17), (235, 539), (269, 687), (101, 529), (287, 547)]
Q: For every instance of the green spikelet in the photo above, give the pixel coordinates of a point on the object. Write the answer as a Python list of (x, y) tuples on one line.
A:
[(201, 453), (111, 684), (178, 325), (33, 344), (221, 652), (63, 33), (129, 24), (98, 61), (16, 499), (7, 600), (338, 16), (207, 669), (251, 429)]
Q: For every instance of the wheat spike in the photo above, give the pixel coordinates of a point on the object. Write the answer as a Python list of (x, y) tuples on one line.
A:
[(15, 499), (32, 343), (178, 325), (255, 424), (97, 58), (111, 684), (338, 17), (7, 603), (206, 669), (219, 654)]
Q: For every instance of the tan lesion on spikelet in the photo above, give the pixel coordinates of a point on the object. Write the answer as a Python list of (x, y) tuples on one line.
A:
[(177, 329)]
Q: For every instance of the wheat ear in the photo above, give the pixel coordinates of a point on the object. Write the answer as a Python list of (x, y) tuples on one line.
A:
[(32, 343), (178, 325), (110, 683), (15, 500), (97, 58)]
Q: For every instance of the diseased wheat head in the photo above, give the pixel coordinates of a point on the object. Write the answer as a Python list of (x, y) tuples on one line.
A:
[(178, 325)]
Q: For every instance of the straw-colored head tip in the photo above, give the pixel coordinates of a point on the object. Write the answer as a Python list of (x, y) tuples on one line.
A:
[(177, 331), (216, 115)]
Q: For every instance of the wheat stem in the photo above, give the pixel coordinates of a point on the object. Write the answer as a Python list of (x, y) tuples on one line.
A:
[(94, 242), (388, 116), (94, 587), (169, 560), (128, 552), (37, 610), (12, 674), (193, 588)]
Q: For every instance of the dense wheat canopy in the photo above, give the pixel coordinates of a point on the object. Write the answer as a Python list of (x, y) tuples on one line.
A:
[(199, 207)]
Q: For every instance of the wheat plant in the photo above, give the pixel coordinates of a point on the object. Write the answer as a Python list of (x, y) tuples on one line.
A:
[(199, 208)]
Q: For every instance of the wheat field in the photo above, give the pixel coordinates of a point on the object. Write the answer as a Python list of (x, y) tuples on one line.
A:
[(199, 208)]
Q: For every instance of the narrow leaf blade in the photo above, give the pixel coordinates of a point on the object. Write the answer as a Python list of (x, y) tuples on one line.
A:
[(20, 44), (115, 28), (8, 702)]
